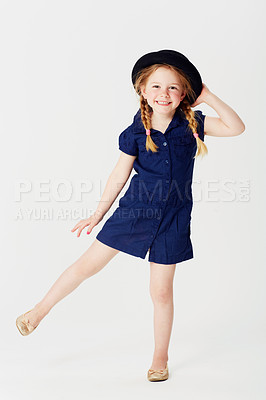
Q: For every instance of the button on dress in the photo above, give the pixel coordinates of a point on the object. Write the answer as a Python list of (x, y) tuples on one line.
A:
[(154, 215)]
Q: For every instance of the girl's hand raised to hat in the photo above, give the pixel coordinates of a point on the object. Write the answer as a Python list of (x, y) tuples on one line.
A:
[(91, 222), (201, 99)]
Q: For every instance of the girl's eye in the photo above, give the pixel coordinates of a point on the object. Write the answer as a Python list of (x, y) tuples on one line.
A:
[(170, 86)]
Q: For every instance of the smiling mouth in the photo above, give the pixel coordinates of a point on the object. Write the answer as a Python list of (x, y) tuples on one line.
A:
[(163, 103)]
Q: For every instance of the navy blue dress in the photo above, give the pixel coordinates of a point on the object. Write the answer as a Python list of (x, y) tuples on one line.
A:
[(155, 212)]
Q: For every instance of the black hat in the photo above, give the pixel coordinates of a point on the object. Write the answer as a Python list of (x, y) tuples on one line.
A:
[(174, 58)]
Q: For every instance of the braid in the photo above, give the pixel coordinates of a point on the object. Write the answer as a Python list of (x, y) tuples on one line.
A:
[(145, 113), (146, 120), (192, 123)]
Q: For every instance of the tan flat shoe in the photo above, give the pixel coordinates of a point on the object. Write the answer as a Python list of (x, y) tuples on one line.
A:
[(24, 327), (158, 375)]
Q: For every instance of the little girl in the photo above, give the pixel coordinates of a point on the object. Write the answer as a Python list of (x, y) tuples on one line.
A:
[(154, 215)]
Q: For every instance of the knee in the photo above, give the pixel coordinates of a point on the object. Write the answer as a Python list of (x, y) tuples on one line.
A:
[(162, 295), (84, 269)]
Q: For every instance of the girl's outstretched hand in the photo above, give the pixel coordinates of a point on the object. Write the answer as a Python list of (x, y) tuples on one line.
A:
[(201, 99), (91, 222)]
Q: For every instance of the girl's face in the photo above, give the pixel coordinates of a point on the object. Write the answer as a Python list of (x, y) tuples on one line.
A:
[(163, 91)]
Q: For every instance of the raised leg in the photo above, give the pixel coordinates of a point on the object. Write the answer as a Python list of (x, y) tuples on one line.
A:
[(88, 264)]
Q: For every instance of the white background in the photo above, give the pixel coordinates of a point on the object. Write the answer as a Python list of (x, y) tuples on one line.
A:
[(66, 95)]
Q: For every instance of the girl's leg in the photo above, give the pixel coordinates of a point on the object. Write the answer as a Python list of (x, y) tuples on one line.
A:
[(91, 262), (161, 290)]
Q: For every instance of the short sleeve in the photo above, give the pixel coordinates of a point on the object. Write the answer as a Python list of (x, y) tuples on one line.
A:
[(127, 143), (200, 117)]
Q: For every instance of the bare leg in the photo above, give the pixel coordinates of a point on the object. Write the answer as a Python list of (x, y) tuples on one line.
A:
[(91, 262), (161, 290)]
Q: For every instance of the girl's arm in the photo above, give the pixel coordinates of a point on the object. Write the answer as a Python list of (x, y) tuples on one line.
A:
[(229, 123), (115, 182)]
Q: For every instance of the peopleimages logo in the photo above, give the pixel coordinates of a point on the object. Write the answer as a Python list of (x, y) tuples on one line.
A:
[(50, 199)]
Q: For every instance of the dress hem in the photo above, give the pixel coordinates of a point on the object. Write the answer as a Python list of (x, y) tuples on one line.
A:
[(117, 247), (170, 259), (173, 259)]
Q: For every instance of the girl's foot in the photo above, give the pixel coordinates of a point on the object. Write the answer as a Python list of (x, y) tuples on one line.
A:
[(157, 373), (33, 317), (27, 322)]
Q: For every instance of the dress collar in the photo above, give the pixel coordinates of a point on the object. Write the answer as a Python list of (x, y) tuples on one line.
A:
[(177, 120)]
